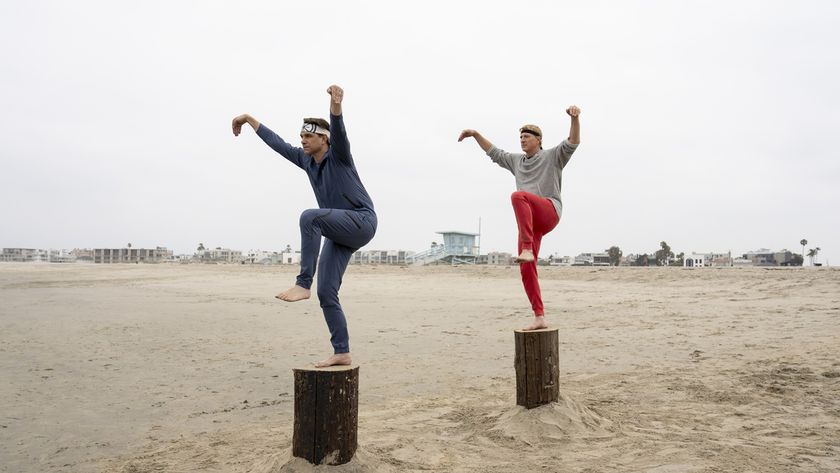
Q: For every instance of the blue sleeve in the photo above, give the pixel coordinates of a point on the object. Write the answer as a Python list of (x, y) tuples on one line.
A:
[(293, 154), (339, 145)]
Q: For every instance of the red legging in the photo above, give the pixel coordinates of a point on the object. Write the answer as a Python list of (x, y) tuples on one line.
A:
[(535, 216)]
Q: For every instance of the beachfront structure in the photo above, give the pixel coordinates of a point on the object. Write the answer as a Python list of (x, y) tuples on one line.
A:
[(131, 255), (399, 257), (457, 248), (558, 260), (218, 255), (765, 257), (498, 258), (24, 255), (703, 260), (592, 259), (290, 257)]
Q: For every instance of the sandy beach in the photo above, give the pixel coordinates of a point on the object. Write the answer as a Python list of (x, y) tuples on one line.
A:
[(180, 368)]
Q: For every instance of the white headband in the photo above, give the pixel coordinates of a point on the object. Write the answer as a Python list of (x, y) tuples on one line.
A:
[(314, 128)]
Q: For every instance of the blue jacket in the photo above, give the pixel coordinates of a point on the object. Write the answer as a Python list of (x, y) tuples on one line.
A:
[(335, 181)]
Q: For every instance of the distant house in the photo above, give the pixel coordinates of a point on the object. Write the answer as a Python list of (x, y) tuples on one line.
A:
[(498, 258), (701, 260), (765, 257), (557, 260), (592, 259)]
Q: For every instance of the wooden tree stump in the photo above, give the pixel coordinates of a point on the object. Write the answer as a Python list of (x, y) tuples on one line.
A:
[(537, 367), (326, 414)]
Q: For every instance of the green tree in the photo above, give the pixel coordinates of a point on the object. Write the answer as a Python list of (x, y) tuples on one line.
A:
[(642, 260), (615, 255), (680, 259), (796, 260), (663, 254), (200, 247)]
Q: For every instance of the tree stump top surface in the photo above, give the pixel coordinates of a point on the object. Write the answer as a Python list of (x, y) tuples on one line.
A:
[(328, 368), (549, 329)]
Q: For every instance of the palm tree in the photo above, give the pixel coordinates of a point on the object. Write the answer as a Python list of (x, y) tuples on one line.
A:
[(200, 247), (816, 253), (803, 242), (812, 253)]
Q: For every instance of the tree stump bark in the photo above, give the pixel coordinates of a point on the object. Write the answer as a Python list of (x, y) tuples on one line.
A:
[(537, 367), (326, 414)]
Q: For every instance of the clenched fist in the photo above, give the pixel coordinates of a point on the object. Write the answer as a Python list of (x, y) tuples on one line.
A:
[(336, 92)]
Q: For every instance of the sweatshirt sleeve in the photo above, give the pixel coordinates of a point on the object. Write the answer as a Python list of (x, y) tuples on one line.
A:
[(339, 144), (293, 154), (563, 152), (502, 158)]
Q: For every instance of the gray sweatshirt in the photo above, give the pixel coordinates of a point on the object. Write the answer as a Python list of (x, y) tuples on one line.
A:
[(541, 174)]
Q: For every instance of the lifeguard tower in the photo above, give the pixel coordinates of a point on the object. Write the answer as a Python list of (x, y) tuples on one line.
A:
[(457, 248)]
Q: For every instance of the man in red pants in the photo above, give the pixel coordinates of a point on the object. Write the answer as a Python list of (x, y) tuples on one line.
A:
[(536, 202)]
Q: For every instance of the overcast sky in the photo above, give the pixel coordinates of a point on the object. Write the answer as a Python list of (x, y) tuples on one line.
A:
[(711, 125)]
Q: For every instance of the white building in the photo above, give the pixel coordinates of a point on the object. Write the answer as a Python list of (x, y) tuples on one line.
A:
[(592, 259), (704, 260), (558, 260)]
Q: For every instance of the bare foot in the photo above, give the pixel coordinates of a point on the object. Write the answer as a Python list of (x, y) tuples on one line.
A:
[(337, 359), (293, 294), (525, 257), (538, 323)]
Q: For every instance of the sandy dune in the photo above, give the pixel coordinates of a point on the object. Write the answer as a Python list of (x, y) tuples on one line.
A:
[(135, 368)]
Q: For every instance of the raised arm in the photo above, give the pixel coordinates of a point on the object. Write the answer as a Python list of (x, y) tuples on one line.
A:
[(482, 141), (339, 144), (574, 131), (293, 154), (243, 119)]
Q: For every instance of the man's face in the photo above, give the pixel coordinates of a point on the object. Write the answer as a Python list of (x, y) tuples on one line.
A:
[(530, 144), (312, 143)]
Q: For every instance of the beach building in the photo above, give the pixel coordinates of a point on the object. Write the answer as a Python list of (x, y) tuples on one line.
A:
[(290, 257), (592, 259), (457, 248), (131, 255), (702, 260), (24, 255), (398, 257), (496, 258), (765, 257), (218, 255), (559, 260), (61, 256)]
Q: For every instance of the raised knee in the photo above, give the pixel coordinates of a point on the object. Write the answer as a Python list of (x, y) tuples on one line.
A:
[(308, 216), (518, 195)]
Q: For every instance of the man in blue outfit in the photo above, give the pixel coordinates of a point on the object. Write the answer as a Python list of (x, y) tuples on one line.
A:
[(344, 217)]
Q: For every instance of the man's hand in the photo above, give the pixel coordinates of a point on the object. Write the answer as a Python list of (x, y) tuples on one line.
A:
[(336, 93), (238, 122), (243, 119), (336, 96), (574, 131), (467, 134)]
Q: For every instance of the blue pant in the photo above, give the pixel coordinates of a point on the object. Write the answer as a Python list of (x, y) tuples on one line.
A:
[(345, 232)]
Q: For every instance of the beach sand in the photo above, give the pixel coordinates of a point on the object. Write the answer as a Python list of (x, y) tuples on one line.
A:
[(180, 368)]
